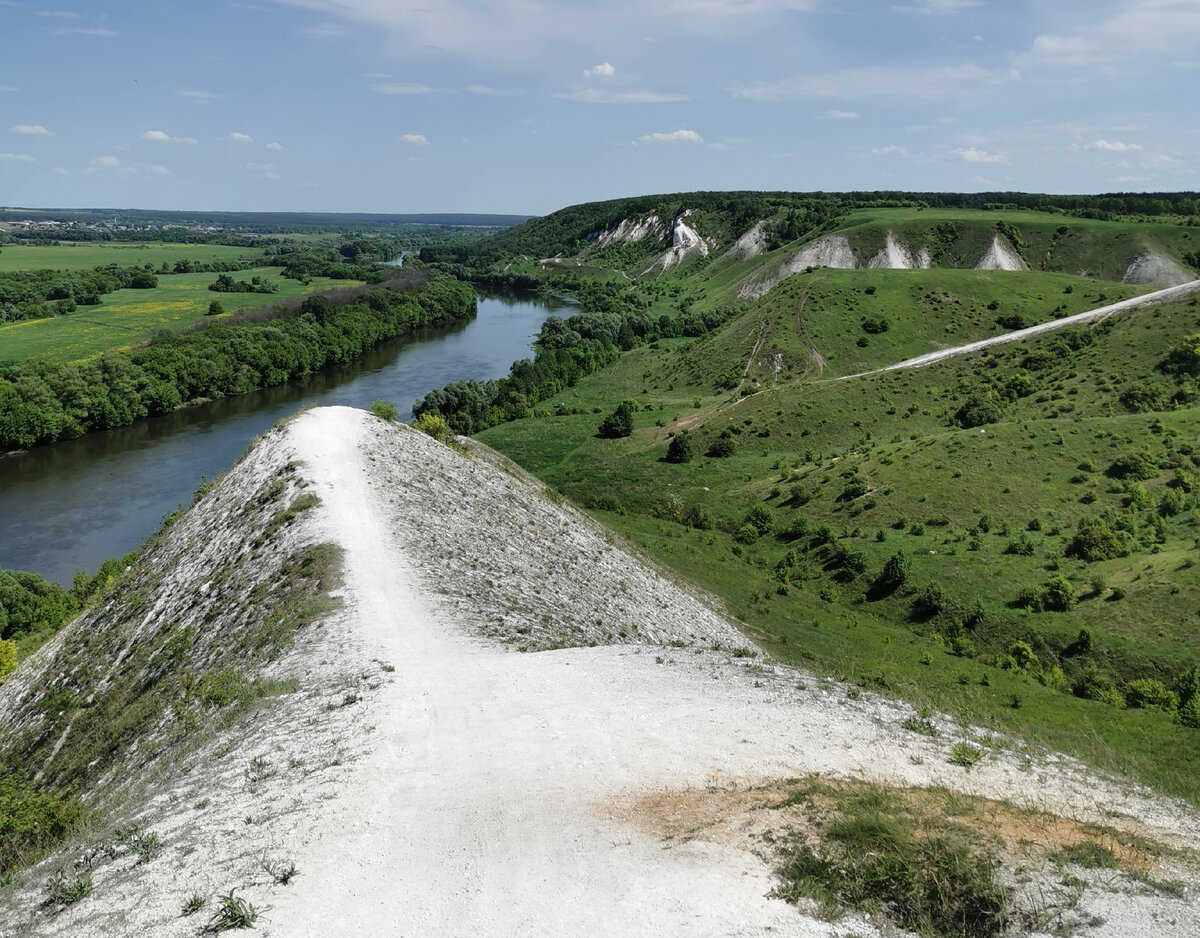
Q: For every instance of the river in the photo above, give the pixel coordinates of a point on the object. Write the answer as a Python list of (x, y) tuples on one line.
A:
[(69, 506)]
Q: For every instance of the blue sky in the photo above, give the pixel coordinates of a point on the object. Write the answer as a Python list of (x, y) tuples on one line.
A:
[(525, 106)]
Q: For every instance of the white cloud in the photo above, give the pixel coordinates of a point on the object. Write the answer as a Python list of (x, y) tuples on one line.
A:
[(158, 170), (32, 130), (417, 139), (17, 157), (279, 147), (485, 90), (61, 171), (7, 89), (940, 6), (85, 31), (596, 96), (841, 115), (106, 161), (240, 138), (521, 32), (675, 136), (200, 97), (891, 150), (975, 155), (57, 14), (604, 69), (394, 88), (159, 136), (731, 7), (1140, 28), (876, 81), (326, 31), (1112, 146)]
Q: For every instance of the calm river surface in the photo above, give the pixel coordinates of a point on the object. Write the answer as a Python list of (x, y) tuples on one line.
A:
[(69, 506)]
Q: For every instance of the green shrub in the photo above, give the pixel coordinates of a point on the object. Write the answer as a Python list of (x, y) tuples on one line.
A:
[(619, 423), (762, 517), (928, 602), (1095, 540), (1058, 594), (1150, 694), (434, 425), (8, 658), (385, 410), (722, 447), (1133, 466), (979, 409), (31, 820), (680, 448)]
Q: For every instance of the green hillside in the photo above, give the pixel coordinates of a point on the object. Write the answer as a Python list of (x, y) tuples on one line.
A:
[(1008, 535)]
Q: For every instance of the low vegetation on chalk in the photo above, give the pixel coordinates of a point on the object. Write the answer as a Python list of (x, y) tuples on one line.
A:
[(942, 864), (180, 680)]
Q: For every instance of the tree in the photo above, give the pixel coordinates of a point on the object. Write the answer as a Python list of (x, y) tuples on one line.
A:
[(317, 306), (979, 409), (620, 422), (680, 448), (894, 574), (215, 308)]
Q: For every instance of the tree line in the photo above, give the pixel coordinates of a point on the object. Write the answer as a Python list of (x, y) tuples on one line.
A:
[(41, 402), (35, 294), (565, 350)]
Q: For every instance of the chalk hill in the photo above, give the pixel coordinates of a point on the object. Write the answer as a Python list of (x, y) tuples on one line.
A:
[(310, 695)]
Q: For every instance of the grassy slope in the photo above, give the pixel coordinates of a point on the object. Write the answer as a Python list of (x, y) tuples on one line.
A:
[(127, 317), (83, 255), (805, 431)]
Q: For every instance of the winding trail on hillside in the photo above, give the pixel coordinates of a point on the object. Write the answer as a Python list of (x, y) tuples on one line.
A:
[(494, 796), (1102, 312)]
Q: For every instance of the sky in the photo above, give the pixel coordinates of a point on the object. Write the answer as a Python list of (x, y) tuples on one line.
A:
[(526, 106)]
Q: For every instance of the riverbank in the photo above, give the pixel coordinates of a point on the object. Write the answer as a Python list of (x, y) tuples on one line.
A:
[(42, 402)]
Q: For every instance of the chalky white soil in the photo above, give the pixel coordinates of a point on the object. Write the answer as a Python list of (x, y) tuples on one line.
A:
[(431, 779)]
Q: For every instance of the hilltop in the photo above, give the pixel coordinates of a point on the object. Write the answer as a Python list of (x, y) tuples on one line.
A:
[(369, 751)]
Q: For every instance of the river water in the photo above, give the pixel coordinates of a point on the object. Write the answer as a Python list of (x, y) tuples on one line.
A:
[(69, 506)]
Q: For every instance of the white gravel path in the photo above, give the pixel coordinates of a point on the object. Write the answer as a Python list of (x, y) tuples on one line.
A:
[(1169, 295), (485, 803)]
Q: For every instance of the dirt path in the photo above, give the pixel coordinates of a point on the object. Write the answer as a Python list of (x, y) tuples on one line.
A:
[(1103, 312), (486, 802)]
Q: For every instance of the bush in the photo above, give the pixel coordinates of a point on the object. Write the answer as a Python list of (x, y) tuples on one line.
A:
[(762, 517), (386, 410), (746, 534), (31, 821), (722, 447), (855, 488), (215, 308), (928, 602), (1150, 694), (893, 575), (619, 423), (436, 426), (1134, 467), (979, 409), (1095, 540), (8, 658), (680, 448), (1058, 594)]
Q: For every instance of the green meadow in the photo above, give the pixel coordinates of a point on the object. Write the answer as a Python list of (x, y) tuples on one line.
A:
[(88, 254), (128, 317)]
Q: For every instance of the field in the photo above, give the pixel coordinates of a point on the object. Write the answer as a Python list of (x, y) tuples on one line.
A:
[(88, 254), (127, 317)]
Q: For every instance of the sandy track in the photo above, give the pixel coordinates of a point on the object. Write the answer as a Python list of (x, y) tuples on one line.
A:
[(1168, 295), (487, 802)]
